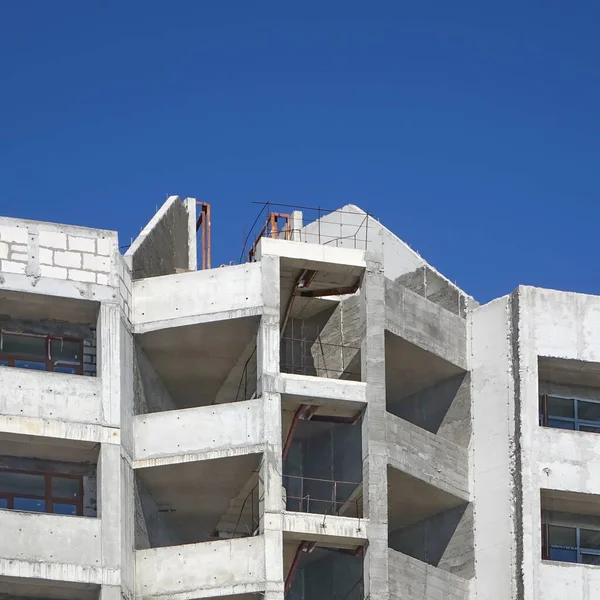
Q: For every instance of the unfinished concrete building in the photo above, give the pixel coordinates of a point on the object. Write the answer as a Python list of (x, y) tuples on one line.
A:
[(331, 419)]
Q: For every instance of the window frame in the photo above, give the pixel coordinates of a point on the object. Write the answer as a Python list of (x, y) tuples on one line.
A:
[(577, 423), (48, 498), (50, 365), (579, 551)]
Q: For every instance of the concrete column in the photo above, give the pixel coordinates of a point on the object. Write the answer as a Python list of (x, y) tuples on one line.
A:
[(296, 225), (375, 458), (109, 362), (109, 503), (190, 205), (110, 592), (271, 504)]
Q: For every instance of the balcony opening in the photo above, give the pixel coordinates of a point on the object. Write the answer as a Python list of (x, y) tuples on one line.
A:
[(48, 476), (570, 527), (320, 319), (313, 571), (48, 334), (200, 501), (196, 365), (426, 390), (430, 524), (24, 588), (569, 394), (322, 453)]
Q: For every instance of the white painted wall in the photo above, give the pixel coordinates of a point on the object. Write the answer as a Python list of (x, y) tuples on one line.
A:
[(45, 395), (197, 570), (174, 300), (561, 581), (561, 325), (198, 430)]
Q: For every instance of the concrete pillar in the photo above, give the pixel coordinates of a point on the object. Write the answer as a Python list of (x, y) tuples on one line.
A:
[(109, 503), (110, 592), (296, 225), (109, 361), (271, 504), (375, 458), (190, 205)]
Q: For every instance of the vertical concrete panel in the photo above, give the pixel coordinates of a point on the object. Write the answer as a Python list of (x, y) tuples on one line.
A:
[(493, 427), (109, 503), (109, 362), (374, 431), (271, 500)]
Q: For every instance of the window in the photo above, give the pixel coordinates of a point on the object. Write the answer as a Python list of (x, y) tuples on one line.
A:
[(570, 544), (41, 352), (570, 413), (36, 491)]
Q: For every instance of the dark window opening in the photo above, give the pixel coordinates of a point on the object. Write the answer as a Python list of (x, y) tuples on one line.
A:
[(35, 491), (569, 413), (41, 352), (570, 544)]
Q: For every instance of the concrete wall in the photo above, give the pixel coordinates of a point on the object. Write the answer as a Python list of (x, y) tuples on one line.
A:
[(428, 457), (350, 227), (197, 430), (58, 539), (562, 326), (411, 578), (443, 409), (199, 570), (163, 246), (493, 430), (56, 251), (61, 396), (150, 393), (425, 324), (444, 540), (189, 298), (325, 345)]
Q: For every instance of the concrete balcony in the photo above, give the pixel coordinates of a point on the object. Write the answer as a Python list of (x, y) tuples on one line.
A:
[(559, 460), (201, 433), (411, 578), (53, 547), (567, 580), (428, 457), (50, 396), (222, 568), (308, 389), (329, 529), (197, 297)]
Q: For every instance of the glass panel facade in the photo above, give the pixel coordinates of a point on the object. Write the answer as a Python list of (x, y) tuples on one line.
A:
[(27, 484), (24, 345), (64, 509), (561, 407), (65, 487), (29, 504)]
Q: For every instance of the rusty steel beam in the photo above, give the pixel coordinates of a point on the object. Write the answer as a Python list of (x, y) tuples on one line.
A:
[(203, 224)]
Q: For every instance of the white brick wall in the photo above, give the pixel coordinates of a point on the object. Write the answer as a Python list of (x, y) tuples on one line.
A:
[(82, 244), (60, 252), (17, 235), (85, 276), (53, 239), (67, 259), (96, 263), (104, 246)]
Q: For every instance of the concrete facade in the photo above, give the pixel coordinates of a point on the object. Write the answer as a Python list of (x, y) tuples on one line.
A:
[(248, 432)]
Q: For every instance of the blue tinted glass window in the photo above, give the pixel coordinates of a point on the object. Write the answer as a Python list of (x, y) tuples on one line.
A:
[(72, 370), (3, 503), (563, 554), (29, 364), (64, 509), (30, 505), (3, 363)]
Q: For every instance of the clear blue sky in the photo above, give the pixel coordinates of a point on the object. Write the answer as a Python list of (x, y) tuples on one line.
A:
[(472, 130)]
